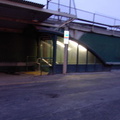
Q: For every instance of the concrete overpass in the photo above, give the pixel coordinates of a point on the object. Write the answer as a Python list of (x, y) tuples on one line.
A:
[(98, 36)]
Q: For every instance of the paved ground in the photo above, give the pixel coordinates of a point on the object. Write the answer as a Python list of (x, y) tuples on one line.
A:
[(86, 96)]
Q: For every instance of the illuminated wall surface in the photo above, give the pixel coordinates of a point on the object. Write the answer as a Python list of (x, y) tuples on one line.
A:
[(16, 47), (46, 51), (77, 54)]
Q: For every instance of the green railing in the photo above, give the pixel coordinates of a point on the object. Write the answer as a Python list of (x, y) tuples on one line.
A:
[(111, 24), (44, 64)]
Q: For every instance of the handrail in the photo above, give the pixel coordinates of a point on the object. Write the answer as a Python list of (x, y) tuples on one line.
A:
[(89, 17), (45, 61), (40, 63)]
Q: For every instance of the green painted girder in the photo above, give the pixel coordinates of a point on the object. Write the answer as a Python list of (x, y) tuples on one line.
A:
[(107, 48)]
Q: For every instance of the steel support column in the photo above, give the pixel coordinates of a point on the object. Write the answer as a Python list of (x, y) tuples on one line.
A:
[(54, 53)]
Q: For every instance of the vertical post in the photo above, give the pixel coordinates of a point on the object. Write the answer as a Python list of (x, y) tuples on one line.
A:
[(75, 7), (65, 59), (93, 22), (38, 54), (86, 61), (113, 28), (47, 4), (77, 58), (58, 5), (38, 47), (70, 7), (66, 38), (54, 53), (58, 9)]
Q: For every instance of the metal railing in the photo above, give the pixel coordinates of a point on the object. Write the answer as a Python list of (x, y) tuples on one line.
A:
[(82, 16), (41, 64), (44, 64), (62, 8)]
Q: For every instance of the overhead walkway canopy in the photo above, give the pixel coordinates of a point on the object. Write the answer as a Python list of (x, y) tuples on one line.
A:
[(15, 14)]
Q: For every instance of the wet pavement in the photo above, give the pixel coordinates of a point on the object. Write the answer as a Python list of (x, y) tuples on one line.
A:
[(76, 96)]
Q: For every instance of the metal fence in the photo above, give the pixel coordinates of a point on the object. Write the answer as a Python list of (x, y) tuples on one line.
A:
[(83, 16)]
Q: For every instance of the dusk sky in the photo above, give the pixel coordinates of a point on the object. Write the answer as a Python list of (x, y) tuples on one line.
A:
[(105, 7)]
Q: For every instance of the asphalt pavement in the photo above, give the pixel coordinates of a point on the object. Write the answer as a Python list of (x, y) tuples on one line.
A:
[(76, 96)]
